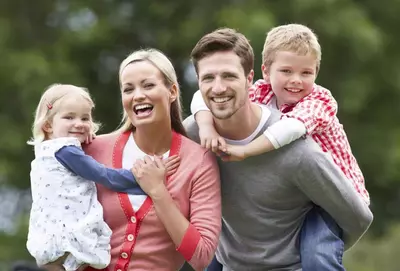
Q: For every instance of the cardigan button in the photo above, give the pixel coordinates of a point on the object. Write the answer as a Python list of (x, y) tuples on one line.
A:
[(133, 219), (130, 237), (124, 255)]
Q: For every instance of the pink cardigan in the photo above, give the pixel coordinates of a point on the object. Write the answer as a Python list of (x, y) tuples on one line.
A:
[(139, 240)]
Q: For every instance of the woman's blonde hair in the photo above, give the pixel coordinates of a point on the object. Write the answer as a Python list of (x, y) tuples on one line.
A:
[(162, 63), (49, 105), (295, 38)]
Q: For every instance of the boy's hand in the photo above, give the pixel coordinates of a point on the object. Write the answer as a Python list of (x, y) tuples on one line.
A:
[(233, 153), (171, 164), (210, 139)]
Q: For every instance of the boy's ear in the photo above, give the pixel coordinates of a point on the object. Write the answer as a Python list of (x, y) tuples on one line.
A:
[(47, 127), (265, 73)]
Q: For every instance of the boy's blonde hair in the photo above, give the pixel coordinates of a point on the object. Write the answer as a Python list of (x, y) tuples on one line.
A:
[(291, 37), (164, 65), (49, 105)]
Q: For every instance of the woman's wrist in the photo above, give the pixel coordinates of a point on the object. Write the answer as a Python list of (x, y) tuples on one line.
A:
[(159, 193)]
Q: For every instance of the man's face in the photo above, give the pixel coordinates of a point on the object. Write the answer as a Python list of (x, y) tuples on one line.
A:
[(223, 84)]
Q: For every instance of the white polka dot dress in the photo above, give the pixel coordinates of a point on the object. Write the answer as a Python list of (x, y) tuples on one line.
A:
[(66, 216)]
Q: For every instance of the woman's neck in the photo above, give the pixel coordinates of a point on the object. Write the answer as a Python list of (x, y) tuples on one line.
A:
[(153, 139)]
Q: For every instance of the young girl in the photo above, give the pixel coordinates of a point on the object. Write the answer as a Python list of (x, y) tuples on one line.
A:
[(66, 222)]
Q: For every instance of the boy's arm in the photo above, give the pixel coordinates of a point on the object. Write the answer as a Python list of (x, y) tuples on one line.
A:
[(277, 135), (120, 180), (316, 111), (209, 138), (324, 184)]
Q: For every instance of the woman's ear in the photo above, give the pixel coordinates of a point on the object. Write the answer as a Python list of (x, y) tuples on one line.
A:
[(173, 90)]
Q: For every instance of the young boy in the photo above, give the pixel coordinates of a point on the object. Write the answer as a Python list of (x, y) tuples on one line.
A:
[(291, 61)]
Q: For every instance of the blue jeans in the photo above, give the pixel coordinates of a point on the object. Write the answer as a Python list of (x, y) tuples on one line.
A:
[(321, 243), (214, 265)]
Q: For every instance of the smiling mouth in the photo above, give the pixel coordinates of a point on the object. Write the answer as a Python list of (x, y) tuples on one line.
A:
[(142, 109), (293, 90), (220, 100)]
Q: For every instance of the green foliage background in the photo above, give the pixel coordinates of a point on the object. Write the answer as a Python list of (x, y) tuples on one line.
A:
[(82, 43)]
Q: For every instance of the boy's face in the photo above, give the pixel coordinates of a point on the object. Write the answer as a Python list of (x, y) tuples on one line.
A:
[(291, 76)]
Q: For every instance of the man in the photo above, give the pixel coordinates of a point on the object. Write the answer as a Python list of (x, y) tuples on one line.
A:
[(265, 198)]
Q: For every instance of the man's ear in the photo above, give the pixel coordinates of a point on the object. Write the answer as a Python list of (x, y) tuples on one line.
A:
[(173, 90), (250, 77), (47, 127), (265, 73)]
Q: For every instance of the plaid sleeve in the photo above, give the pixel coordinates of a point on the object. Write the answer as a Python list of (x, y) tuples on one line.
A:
[(260, 92), (316, 111)]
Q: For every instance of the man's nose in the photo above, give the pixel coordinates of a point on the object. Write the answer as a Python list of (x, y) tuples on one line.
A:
[(219, 86)]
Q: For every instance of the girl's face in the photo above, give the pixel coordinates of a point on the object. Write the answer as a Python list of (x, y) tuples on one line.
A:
[(73, 119), (145, 97)]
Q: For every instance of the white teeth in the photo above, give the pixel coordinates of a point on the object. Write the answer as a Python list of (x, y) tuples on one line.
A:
[(295, 90), (142, 106), (221, 99)]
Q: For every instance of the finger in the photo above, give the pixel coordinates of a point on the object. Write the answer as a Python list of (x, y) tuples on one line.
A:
[(139, 163), (214, 145), (147, 160), (222, 143), (224, 150), (172, 161), (203, 142), (158, 162)]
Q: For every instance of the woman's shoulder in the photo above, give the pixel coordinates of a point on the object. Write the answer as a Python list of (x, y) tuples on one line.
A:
[(188, 144), (102, 141)]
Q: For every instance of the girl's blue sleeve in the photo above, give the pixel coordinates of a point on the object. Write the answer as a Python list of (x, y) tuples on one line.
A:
[(120, 180)]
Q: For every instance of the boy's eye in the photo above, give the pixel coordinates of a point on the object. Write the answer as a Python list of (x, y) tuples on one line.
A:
[(308, 72), (86, 119), (285, 71), (68, 117)]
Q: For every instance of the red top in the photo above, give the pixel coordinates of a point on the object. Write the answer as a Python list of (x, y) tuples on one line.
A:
[(318, 113), (139, 240)]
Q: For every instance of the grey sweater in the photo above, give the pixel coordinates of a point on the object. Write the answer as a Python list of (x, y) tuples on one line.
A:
[(265, 199)]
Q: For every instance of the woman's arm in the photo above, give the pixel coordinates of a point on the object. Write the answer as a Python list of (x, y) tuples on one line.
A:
[(196, 240)]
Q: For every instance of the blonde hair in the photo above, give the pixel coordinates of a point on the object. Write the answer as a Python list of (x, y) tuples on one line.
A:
[(164, 65), (291, 37), (49, 105)]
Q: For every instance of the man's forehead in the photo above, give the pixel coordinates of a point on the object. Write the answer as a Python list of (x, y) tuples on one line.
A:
[(220, 62)]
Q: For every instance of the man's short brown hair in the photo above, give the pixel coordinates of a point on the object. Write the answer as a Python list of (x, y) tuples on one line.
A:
[(222, 40)]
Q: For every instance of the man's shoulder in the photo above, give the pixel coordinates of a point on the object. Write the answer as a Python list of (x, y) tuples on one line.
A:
[(192, 129)]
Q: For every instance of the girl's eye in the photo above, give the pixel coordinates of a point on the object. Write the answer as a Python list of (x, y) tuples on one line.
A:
[(126, 90), (285, 71), (85, 119), (149, 85)]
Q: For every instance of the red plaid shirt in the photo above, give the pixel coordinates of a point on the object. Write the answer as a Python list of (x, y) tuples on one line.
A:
[(318, 113)]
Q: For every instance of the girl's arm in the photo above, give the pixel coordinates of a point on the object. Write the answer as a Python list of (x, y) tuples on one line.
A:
[(120, 180)]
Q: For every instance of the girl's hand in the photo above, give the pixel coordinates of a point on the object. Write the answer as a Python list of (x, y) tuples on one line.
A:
[(150, 175), (90, 138), (172, 163)]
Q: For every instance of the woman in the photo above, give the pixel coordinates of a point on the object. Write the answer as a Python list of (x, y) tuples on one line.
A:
[(180, 218)]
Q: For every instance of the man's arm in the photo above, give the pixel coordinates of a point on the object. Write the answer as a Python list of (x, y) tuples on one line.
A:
[(75, 160), (326, 185)]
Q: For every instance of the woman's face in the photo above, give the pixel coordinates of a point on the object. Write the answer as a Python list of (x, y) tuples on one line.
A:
[(145, 97)]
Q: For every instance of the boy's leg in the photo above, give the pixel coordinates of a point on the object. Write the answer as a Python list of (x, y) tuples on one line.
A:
[(321, 244), (214, 265)]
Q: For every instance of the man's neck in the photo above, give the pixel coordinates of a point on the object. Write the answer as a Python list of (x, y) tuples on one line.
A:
[(242, 124)]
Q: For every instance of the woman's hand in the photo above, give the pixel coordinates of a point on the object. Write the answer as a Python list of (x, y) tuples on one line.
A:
[(150, 175), (172, 163)]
